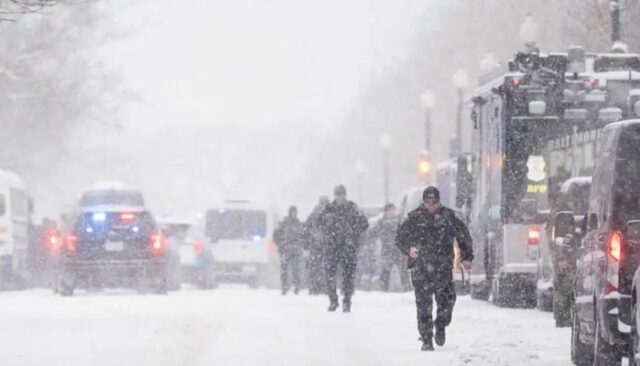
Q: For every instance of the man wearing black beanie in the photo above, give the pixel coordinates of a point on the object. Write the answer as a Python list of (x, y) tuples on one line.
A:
[(427, 237)]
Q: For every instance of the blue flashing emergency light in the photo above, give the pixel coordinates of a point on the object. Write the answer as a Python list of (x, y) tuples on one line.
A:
[(135, 229), (99, 216), (89, 229), (256, 237)]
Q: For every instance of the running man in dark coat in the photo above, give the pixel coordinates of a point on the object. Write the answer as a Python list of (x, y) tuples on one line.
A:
[(342, 224), (427, 238)]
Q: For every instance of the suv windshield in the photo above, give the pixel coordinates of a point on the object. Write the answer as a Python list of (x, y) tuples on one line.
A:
[(236, 224)]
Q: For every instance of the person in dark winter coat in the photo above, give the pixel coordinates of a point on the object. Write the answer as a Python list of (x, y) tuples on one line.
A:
[(427, 238), (315, 244), (342, 224), (288, 239), (385, 230)]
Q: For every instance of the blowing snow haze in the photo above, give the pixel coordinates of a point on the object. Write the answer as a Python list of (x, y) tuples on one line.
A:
[(250, 99)]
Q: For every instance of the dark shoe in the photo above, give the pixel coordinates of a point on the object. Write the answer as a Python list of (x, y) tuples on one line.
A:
[(296, 291), (441, 336), (427, 344), (346, 306), (284, 291), (333, 306)]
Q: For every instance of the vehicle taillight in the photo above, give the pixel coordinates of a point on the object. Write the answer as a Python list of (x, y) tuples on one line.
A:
[(615, 246), (198, 247), (271, 247), (53, 240), (71, 242), (533, 238), (157, 243), (615, 254)]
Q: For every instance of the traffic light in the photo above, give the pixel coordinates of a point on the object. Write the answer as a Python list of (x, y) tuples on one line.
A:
[(424, 164)]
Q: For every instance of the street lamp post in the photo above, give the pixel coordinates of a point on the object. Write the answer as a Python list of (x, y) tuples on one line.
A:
[(460, 82), (614, 7), (385, 146), (360, 174), (428, 101)]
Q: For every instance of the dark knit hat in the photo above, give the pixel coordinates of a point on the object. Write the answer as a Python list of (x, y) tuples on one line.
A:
[(431, 193)]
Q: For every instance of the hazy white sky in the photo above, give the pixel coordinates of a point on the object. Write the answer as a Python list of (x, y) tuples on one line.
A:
[(258, 61), (242, 91)]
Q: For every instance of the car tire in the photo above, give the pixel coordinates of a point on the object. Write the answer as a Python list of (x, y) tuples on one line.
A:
[(634, 338), (67, 290), (605, 354), (254, 283), (581, 353), (161, 287)]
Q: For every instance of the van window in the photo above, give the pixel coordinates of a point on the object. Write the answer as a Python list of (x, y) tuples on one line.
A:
[(627, 178), (19, 204), (3, 205)]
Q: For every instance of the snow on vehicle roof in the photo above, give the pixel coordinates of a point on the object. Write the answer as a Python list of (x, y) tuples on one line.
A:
[(109, 185), (566, 186), (12, 179), (111, 208), (621, 75), (621, 124), (173, 221), (240, 205)]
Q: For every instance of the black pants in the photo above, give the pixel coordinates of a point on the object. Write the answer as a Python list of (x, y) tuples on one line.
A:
[(385, 274), (427, 285), (289, 261), (347, 257)]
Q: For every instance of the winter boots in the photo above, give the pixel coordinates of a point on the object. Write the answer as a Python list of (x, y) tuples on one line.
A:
[(333, 306), (427, 344), (346, 305), (441, 336)]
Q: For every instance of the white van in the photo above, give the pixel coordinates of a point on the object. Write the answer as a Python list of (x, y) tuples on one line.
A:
[(14, 225), (240, 237)]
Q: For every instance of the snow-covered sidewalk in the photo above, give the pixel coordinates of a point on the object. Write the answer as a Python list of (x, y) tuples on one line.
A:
[(237, 326)]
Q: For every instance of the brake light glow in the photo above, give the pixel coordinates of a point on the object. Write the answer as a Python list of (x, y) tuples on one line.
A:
[(127, 217), (533, 238), (157, 244), (53, 239), (198, 247), (271, 247), (515, 82), (615, 246), (71, 243)]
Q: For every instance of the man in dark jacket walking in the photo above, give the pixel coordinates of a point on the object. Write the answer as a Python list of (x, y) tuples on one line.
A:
[(386, 230), (288, 239), (315, 244), (427, 238), (342, 224)]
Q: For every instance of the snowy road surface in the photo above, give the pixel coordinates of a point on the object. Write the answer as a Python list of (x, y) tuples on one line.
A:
[(237, 326)]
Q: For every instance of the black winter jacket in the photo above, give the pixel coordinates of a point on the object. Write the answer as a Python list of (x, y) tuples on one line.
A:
[(342, 224), (434, 235)]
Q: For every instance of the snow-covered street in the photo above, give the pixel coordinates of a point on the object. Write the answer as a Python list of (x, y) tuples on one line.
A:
[(237, 326)]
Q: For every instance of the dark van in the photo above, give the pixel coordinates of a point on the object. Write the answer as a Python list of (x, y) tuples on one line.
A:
[(609, 254)]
